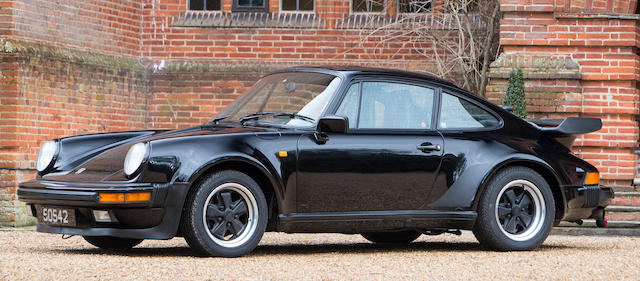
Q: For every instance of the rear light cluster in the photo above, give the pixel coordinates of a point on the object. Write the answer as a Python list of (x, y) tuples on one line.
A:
[(133, 197)]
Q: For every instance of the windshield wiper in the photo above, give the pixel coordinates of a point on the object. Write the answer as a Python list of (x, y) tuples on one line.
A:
[(215, 121), (257, 115), (254, 115), (295, 115)]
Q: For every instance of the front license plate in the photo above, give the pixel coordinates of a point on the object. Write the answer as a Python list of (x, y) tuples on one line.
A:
[(56, 216)]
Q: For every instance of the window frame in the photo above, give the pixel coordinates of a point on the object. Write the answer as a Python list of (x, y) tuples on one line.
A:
[(236, 8), (297, 11), (205, 6), (396, 80), (469, 100), (384, 9)]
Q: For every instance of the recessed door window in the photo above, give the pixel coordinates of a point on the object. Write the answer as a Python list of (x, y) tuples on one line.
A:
[(385, 105), (350, 105)]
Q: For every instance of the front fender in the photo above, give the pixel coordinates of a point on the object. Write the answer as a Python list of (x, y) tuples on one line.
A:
[(268, 171), (196, 155)]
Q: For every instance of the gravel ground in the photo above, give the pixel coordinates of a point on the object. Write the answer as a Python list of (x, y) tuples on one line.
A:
[(28, 255)]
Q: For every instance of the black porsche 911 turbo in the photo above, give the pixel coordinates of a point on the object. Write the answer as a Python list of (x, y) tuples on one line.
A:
[(386, 154)]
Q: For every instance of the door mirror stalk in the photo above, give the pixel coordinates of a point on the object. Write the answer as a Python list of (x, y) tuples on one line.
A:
[(330, 124)]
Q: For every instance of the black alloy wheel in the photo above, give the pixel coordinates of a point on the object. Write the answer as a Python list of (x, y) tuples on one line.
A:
[(515, 211), (224, 215)]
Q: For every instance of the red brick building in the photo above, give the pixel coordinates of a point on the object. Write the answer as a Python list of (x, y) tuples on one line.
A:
[(76, 67)]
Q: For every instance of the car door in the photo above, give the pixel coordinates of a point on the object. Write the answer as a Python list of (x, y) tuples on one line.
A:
[(470, 150), (387, 160)]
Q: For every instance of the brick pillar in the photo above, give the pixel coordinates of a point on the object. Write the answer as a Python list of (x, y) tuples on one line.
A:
[(579, 59)]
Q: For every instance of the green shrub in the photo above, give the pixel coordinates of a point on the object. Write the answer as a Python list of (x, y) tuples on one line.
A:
[(515, 94)]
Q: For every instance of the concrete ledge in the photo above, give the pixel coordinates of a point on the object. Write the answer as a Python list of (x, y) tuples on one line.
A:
[(599, 16), (66, 54), (592, 224), (544, 67), (588, 231)]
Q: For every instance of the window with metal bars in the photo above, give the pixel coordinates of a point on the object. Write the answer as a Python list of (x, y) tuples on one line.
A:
[(367, 5), (205, 5), (251, 5), (414, 6), (297, 5)]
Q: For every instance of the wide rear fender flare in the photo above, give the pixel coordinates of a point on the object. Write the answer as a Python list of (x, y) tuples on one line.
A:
[(519, 160)]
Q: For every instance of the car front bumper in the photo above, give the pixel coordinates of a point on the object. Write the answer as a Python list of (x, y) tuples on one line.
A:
[(587, 202), (156, 219)]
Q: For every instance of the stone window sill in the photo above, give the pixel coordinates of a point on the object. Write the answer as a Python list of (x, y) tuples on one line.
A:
[(302, 20)]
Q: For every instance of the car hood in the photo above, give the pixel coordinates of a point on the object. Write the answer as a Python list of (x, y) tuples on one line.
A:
[(105, 163)]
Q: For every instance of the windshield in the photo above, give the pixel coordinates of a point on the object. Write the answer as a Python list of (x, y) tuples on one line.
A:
[(286, 99)]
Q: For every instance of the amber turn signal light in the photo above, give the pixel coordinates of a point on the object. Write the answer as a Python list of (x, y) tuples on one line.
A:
[(137, 197), (109, 197), (592, 178)]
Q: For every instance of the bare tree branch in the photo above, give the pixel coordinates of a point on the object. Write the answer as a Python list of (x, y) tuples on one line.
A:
[(459, 44)]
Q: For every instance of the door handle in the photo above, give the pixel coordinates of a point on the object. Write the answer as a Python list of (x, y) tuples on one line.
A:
[(429, 147)]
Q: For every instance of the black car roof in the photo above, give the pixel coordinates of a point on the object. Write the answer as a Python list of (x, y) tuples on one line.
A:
[(360, 70), (350, 71)]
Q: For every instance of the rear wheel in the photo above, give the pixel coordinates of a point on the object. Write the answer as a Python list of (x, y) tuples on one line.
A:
[(516, 211), (226, 215), (112, 243), (399, 237)]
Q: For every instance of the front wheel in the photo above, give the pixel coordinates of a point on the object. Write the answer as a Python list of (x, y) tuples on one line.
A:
[(515, 211), (112, 243), (225, 216), (400, 237)]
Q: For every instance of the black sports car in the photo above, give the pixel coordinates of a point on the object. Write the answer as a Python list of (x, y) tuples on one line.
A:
[(386, 154)]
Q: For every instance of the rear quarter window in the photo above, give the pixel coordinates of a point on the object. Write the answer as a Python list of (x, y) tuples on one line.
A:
[(457, 113)]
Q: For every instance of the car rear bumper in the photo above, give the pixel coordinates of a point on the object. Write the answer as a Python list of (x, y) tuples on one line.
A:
[(587, 202), (156, 219)]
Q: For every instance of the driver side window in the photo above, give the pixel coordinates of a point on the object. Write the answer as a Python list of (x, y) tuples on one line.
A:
[(387, 105)]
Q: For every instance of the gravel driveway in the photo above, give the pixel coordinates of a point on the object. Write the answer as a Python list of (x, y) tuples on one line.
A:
[(28, 255)]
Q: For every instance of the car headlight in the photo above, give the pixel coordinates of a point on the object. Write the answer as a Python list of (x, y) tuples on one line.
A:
[(135, 157), (47, 156)]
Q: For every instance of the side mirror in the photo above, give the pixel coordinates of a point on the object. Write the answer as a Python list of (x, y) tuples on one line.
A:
[(333, 124), (508, 108), (330, 124)]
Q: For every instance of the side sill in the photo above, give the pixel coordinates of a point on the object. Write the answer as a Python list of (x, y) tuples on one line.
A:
[(358, 222)]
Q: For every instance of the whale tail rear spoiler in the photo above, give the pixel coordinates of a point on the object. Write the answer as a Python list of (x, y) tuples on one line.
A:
[(566, 130)]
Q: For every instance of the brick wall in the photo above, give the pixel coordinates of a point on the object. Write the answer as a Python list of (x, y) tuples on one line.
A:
[(48, 92), (193, 93), (578, 64), (107, 26), (72, 67), (327, 37)]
